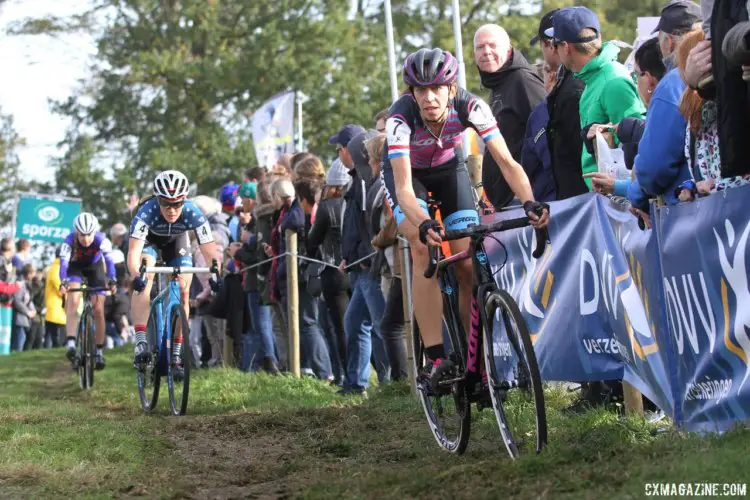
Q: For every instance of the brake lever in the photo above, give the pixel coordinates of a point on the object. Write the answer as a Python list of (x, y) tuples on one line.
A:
[(542, 237), (433, 261)]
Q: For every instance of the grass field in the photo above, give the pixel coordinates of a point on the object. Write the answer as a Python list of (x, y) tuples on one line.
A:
[(254, 436)]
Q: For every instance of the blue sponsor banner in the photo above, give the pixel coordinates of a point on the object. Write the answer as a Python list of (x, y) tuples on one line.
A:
[(651, 354), (704, 260), (667, 309), (566, 296)]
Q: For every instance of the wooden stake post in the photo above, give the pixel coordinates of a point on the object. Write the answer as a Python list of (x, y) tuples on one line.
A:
[(292, 293), (403, 254)]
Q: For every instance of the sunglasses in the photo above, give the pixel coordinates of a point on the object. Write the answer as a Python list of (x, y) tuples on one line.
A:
[(171, 204)]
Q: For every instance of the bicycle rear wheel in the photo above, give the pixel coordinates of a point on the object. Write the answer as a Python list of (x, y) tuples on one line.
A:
[(511, 363), (86, 349), (448, 412), (179, 333), (149, 377)]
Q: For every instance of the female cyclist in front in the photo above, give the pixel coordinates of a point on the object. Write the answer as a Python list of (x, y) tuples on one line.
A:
[(424, 128)]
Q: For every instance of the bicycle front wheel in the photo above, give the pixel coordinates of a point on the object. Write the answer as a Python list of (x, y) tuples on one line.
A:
[(449, 411), (149, 377), (511, 364), (86, 349), (178, 359)]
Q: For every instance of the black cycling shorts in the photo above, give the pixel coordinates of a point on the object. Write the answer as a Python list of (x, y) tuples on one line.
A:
[(94, 274), (449, 184), (175, 250)]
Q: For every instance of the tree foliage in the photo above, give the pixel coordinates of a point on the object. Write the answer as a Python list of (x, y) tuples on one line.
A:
[(11, 180), (173, 83)]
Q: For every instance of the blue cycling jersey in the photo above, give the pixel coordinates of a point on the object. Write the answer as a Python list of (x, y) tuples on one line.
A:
[(148, 220)]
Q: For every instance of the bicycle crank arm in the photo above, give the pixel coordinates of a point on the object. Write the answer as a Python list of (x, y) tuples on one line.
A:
[(451, 381)]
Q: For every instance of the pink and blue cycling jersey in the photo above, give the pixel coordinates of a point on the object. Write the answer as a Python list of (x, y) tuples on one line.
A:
[(407, 134)]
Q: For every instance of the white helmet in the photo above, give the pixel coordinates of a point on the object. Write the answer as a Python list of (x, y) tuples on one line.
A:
[(171, 184), (85, 223)]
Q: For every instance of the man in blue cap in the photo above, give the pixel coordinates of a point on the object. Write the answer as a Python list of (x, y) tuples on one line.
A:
[(564, 124), (610, 94), (341, 140)]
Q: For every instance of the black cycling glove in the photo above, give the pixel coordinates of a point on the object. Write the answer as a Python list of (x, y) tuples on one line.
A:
[(425, 226), (536, 207)]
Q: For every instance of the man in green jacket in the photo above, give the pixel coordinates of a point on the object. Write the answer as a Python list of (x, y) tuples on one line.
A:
[(610, 94)]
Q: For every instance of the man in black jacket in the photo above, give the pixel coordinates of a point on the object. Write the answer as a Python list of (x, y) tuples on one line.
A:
[(516, 89), (367, 304), (564, 126)]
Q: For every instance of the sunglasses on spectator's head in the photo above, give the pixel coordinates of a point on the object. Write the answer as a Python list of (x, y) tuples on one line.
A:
[(165, 203)]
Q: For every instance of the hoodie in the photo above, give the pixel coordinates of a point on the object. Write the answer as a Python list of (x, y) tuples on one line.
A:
[(564, 134), (610, 95), (515, 90), (355, 239), (661, 165)]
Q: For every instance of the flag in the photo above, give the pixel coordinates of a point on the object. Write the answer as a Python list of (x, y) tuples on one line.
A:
[(272, 127)]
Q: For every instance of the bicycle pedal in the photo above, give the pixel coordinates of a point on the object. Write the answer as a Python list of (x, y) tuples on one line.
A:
[(425, 388)]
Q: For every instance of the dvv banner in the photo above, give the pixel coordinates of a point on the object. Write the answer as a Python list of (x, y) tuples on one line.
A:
[(273, 129), (666, 309), (45, 218)]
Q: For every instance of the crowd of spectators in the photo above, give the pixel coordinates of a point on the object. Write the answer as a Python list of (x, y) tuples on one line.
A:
[(679, 118)]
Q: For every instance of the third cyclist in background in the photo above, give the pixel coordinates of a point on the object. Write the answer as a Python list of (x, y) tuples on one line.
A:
[(85, 253)]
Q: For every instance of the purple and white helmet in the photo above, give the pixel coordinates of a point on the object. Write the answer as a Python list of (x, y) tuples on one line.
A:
[(430, 67)]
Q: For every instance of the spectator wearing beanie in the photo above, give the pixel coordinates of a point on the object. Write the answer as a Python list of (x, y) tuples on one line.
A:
[(228, 195), (260, 345), (325, 236), (248, 193)]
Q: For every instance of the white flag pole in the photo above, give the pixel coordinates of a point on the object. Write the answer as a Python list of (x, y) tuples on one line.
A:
[(301, 99), (459, 48), (391, 50)]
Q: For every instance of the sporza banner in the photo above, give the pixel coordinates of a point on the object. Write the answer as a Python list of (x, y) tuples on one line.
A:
[(272, 127), (45, 218), (667, 309)]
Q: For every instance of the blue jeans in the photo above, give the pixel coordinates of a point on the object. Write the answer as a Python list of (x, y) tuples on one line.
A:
[(112, 332), (337, 367), (259, 342), (363, 337), (313, 348), (21, 332)]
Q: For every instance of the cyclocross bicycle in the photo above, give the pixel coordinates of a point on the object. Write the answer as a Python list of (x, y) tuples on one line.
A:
[(492, 363), (85, 360), (167, 329)]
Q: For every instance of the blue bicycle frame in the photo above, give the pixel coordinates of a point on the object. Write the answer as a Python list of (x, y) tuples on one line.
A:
[(162, 307), (165, 315)]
